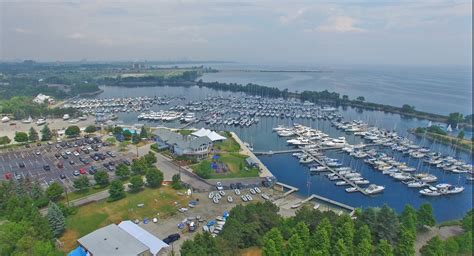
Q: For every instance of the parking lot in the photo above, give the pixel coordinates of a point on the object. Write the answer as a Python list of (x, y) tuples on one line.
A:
[(60, 161)]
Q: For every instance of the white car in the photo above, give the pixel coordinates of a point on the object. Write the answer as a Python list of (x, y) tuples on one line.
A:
[(68, 152), (219, 186), (155, 220), (75, 153)]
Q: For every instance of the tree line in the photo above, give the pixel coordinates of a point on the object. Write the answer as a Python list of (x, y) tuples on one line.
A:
[(374, 231)]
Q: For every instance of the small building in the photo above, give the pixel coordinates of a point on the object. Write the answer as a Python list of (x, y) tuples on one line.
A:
[(112, 240), (156, 245), (183, 144), (41, 98)]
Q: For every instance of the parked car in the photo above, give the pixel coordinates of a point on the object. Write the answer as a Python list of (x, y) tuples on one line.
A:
[(46, 167), (60, 165), (171, 238), (82, 171), (21, 165), (76, 173), (62, 176)]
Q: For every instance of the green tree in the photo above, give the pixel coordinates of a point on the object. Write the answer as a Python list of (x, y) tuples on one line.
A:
[(295, 246), (364, 248), (144, 132), (461, 135), (434, 247), (56, 219), (81, 183), (360, 98), (269, 248), (46, 133), (320, 240), (54, 191), (38, 195), (21, 137), (345, 230), (408, 109), (451, 246), (136, 183), (467, 221), (33, 134), (303, 233), (139, 166), (90, 129), (117, 130), (465, 243), (116, 191), (340, 248), (101, 178), (122, 171), (406, 242), (202, 244), (176, 181), (72, 131), (455, 118), (345, 97), (275, 236), (387, 225), (135, 138), (326, 225), (150, 158), (154, 177), (5, 140), (127, 134), (425, 216), (384, 248), (408, 218), (363, 233)]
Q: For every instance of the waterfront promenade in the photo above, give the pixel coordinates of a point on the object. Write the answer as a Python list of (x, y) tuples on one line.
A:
[(244, 150)]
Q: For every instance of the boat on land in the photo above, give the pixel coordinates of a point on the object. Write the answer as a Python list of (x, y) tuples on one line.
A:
[(41, 121)]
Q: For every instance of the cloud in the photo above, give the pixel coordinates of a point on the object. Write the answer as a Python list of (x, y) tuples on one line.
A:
[(76, 36), (340, 24), (22, 30), (293, 16)]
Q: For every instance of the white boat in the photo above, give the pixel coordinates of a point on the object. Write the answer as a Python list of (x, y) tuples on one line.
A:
[(41, 121), (265, 196), (27, 121), (244, 198), (237, 191), (222, 192), (257, 190), (416, 184), (83, 118), (230, 199), (316, 206), (429, 192), (215, 200), (252, 191), (455, 190), (249, 197), (5, 119), (66, 117), (211, 195), (351, 189), (341, 183), (443, 186), (373, 189)]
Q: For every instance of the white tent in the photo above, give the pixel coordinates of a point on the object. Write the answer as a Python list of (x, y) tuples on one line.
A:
[(213, 136)]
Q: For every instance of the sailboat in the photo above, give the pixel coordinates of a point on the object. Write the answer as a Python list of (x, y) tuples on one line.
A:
[(27, 121), (449, 129)]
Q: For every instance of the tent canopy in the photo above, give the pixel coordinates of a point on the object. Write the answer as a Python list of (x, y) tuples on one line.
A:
[(213, 136)]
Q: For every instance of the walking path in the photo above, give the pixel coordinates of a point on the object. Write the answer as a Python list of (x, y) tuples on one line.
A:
[(443, 233), (264, 172)]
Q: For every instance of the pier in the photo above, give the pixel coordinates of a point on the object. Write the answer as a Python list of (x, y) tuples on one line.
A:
[(350, 209), (264, 172), (336, 173)]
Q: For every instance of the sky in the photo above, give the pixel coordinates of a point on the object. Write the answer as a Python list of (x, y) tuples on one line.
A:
[(374, 32)]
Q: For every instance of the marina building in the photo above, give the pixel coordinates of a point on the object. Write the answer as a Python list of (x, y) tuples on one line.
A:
[(127, 238), (41, 98), (180, 145)]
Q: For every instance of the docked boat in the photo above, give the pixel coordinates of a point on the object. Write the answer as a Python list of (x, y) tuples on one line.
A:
[(351, 190), (66, 117), (374, 189)]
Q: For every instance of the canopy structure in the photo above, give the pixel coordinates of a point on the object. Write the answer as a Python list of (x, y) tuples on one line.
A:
[(213, 136), (155, 244)]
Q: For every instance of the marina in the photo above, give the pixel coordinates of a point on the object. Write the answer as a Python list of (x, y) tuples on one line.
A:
[(276, 153)]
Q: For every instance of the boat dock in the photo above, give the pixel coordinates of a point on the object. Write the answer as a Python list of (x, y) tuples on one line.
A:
[(328, 201), (286, 151), (322, 163)]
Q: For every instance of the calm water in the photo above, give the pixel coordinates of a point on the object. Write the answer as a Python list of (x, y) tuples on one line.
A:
[(288, 170), (440, 90)]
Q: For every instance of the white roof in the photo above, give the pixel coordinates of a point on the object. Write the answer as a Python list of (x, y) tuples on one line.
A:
[(213, 136), (143, 236), (201, 132)]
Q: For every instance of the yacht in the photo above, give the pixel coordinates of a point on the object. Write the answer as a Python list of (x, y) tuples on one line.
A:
[(432, 191), (351, 189), (373, 189), (455, 190), (189, 117), (66, 117), (416, 184)]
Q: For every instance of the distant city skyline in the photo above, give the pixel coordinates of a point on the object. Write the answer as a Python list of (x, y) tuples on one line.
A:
[(318, 32)]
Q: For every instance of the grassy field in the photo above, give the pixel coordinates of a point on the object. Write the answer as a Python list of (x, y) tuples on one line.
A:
[(158, 203), (228, 145), (235, 163)]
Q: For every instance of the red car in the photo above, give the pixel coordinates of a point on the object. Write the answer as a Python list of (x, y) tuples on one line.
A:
[(8, 176), (82, 171)]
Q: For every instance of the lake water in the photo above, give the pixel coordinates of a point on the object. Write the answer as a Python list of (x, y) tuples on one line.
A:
[(288, 170), (440, 90)]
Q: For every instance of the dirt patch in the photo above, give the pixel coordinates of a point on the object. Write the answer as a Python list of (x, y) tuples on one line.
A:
[(253, 251), (443, 233), (69, 239)]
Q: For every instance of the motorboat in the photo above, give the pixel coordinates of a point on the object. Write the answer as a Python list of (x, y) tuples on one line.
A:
[(416, 184), (249, 197), (66, 117), (373, 189), (252, 191), (41, 121), (237, 191), (265, 196), (429, 192), (351, 189), (27, 121), (230, 199), (257, 190)]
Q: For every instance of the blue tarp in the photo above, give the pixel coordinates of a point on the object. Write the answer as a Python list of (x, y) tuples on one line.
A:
[(79, 251)]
